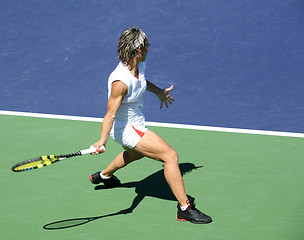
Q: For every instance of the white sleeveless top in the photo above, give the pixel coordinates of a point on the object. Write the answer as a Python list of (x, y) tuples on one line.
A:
[(130, 111)]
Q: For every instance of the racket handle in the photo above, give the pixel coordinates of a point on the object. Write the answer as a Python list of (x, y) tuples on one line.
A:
[(92, 149)]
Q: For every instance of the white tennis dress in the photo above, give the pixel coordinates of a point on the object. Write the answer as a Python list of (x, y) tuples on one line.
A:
[(129, 123)]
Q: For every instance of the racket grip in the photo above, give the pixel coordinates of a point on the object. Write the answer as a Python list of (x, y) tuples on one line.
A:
[(92, 149)]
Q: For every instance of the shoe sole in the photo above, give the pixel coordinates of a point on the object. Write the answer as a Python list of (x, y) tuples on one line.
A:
[(192, 221)]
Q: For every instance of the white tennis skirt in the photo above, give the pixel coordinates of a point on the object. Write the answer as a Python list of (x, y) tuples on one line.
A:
[(128, 136)]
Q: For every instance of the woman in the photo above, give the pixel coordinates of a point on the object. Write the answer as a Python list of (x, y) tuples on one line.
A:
[(124, 122)]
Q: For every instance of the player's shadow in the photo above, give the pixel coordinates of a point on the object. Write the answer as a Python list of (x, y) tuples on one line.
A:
[(154, 185)]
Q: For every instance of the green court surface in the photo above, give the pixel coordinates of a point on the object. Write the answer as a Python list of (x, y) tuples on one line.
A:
[(251, 185)]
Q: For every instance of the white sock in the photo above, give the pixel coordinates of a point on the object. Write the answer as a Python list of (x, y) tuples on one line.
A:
[(104, 177), (184, 208)]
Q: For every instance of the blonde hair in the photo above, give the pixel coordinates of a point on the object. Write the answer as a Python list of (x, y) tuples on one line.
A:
[(129, 42)]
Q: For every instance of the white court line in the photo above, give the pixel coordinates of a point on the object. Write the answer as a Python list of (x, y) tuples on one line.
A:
[(156, 124)]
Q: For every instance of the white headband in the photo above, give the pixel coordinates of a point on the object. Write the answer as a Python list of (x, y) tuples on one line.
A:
[(140, 40)]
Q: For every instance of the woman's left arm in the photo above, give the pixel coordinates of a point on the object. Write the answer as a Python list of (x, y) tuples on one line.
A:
[(163, 94)]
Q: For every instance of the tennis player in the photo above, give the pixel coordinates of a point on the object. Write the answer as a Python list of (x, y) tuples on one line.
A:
[(125, 123)]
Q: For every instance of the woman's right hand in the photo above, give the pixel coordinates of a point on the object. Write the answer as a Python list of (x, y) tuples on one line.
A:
[(100, 147)]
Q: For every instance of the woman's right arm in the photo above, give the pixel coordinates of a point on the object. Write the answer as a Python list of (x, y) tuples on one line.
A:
[(119, 90)]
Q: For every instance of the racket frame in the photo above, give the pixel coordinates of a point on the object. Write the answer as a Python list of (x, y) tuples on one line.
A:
[(47, 160)]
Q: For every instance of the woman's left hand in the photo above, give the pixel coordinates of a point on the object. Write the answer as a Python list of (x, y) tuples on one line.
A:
[(165, 96)]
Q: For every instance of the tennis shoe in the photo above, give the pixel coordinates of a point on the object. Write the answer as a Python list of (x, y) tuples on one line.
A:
[(112, 182), (192, 214)]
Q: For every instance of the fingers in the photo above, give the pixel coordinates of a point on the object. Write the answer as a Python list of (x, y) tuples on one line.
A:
[(170, 99), (169, 88), (167, 97), (161, 104), (100, 148)]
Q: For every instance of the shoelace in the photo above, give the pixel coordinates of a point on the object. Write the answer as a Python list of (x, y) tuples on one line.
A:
[(192, 206)]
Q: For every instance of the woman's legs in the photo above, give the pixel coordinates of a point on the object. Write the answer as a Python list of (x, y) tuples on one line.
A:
[(121, 160), (153, 146)]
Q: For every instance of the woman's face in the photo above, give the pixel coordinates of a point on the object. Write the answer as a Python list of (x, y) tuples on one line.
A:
[(143, 53)]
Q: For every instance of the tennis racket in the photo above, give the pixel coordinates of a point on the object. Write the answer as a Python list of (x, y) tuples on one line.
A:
[(43, 161)]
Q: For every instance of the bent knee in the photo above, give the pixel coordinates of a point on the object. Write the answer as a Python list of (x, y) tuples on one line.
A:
[(171, 156)]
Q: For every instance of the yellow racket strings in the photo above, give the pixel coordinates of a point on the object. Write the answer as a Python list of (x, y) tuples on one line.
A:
[(39, 163)]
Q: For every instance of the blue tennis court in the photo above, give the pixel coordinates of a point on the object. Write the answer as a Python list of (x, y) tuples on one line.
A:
[(233, 64)]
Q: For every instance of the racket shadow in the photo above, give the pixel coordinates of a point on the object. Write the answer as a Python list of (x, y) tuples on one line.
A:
[(154, 185)]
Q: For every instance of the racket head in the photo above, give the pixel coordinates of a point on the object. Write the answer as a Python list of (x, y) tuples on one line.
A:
[(35, 163)]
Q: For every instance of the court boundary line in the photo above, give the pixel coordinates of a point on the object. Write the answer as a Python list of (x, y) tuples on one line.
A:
[(158, 124)]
